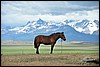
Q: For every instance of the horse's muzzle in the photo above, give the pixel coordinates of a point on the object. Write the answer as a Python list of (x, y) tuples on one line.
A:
[(64, 39)]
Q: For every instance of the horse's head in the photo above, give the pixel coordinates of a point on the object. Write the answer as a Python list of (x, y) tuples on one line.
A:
[(62, 36)]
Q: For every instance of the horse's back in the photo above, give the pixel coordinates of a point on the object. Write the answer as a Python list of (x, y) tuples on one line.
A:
[(42, 39), (42, 36)]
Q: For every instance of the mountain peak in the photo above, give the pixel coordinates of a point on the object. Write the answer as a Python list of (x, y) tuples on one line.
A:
[(85, 20), (28, 22), (40, 19), (41, 22)]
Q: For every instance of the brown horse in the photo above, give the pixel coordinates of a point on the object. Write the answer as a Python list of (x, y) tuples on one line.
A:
[(48, 40)]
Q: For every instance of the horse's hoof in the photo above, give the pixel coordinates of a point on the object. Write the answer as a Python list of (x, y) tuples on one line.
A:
[(37, 53)]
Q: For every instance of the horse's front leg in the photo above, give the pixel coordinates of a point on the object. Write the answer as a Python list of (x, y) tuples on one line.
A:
[(52, 45), (37, 50)]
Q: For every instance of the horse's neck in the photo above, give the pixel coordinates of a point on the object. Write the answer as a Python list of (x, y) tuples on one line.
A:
[(55, 37)]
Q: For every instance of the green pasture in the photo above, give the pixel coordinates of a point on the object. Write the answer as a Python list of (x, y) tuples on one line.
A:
[(45, 49)]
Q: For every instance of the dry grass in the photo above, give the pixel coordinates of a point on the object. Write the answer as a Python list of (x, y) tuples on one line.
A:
[(46, 60)]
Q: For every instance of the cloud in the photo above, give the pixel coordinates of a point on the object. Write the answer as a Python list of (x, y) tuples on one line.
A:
[(42, 7), (23, 19), (90, 15), (20, 12)]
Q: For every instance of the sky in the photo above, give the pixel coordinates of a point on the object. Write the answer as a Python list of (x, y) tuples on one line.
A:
[(16, 13)]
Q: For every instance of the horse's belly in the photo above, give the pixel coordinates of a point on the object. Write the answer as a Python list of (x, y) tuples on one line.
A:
[(46, 43)]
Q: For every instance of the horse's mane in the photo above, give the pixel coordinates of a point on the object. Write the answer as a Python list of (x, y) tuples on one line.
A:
[(55, 33)]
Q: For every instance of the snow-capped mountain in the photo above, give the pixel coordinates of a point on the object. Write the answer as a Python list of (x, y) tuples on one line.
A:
[(84, 26), (82, 30), (5, 29), (33, 26)]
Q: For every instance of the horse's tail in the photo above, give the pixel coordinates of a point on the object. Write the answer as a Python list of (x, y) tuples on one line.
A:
[(35, 45)]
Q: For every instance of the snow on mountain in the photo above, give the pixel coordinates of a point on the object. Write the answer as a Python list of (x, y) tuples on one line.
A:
[(79, 30), (15, 29), (33, 26), (5, 29), (72, 35), (84, 26)]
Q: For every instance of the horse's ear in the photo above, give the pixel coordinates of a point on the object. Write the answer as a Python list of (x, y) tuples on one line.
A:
[(62, 32)]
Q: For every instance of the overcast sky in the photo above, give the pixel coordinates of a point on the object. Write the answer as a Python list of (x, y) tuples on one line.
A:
[(20, 12)]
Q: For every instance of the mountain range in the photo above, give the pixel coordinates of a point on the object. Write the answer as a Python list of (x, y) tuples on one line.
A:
[(75, 30)]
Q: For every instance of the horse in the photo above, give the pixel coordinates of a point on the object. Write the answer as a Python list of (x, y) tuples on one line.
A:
[(48, 40)]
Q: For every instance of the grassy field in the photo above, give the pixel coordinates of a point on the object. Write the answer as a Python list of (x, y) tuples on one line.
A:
[(67, 55), (45, 49)]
